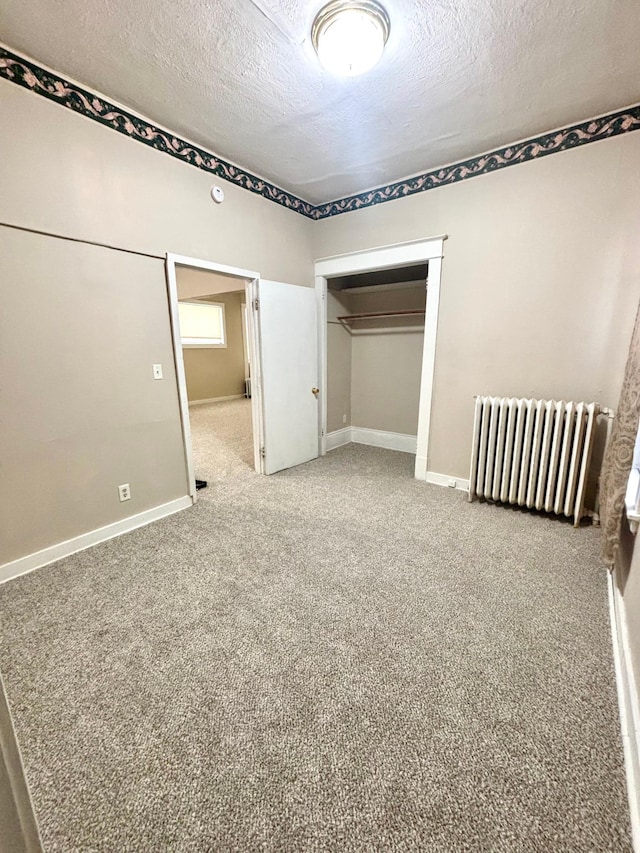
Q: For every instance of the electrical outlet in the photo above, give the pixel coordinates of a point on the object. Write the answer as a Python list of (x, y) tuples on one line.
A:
[(157, 371), (344, 419), (125, 492)]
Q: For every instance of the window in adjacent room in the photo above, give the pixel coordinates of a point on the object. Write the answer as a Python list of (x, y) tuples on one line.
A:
[(202, 324)]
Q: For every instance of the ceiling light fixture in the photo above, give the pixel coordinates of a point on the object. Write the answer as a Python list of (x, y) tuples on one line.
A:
[(349, 35)]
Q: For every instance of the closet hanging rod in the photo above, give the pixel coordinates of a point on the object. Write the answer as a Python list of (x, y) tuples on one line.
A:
[(347, 317)]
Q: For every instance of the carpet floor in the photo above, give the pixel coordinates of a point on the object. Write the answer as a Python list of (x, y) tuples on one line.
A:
[(333, 658), (222, 440)]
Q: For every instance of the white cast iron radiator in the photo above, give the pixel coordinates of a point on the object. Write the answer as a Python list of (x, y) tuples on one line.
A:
[(533, 453)]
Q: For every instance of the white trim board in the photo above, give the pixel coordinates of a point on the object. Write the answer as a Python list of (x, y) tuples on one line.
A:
[(447, 480), (236, 272), (380, 438), (428, 364), (382, 257), (216, 400), (627, 703), (372, 437), (338, 438), (86, 540)]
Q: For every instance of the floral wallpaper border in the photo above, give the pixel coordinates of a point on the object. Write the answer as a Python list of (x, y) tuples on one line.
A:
[(42, 82), (31, 76), (592, 130)]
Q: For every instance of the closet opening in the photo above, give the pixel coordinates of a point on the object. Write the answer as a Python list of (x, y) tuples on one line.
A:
[(378, 323), (375, 342)]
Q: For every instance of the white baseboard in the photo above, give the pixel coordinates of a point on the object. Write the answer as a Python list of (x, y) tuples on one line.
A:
[(372, 437), (446, 480), (628, 705), (338, 438), (380, 438), (79, 543), (216, 400), (421, 467)]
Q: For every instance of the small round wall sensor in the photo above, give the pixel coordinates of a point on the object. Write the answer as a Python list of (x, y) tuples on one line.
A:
[(217, 194)]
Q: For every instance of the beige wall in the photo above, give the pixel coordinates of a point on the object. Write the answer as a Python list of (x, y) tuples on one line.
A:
[(385, 378), (338, 378), (541, 279), (217, 372), (194, 282), (82, 325), (373, 375), (62, 172)]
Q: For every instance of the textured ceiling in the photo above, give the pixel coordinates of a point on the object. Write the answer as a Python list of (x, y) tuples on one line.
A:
[(240, 78)]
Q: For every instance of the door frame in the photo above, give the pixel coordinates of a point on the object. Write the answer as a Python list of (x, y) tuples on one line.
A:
[(428, 250), (15, 794), (252, 278)]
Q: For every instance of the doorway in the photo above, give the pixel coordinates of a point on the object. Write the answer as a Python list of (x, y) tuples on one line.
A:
[(281, 384), (196, 282), (217, 366)]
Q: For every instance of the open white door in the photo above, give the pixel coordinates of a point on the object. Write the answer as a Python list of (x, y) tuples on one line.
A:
[(288, 350)]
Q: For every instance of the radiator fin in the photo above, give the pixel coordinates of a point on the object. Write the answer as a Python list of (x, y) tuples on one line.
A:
[(532, 453)]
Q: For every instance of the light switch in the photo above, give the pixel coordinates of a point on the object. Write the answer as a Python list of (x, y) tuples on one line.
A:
[(157, 371)]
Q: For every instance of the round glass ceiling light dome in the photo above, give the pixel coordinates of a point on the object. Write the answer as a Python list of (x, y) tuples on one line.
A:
[(349, 36)]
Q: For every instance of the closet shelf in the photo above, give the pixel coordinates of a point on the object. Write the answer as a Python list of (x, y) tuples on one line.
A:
[(348, 318)]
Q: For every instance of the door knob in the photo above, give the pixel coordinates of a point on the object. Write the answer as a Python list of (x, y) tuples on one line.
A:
[(315, 391)]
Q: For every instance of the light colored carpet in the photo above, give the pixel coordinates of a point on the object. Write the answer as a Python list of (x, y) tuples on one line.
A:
[(222, 440), (333, 658)]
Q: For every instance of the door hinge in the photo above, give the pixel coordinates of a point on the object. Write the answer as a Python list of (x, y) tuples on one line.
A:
[(263, 452), (256, 304)]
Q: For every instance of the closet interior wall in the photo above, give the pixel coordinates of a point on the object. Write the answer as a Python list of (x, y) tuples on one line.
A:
[(374, 365), (338, 361)]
